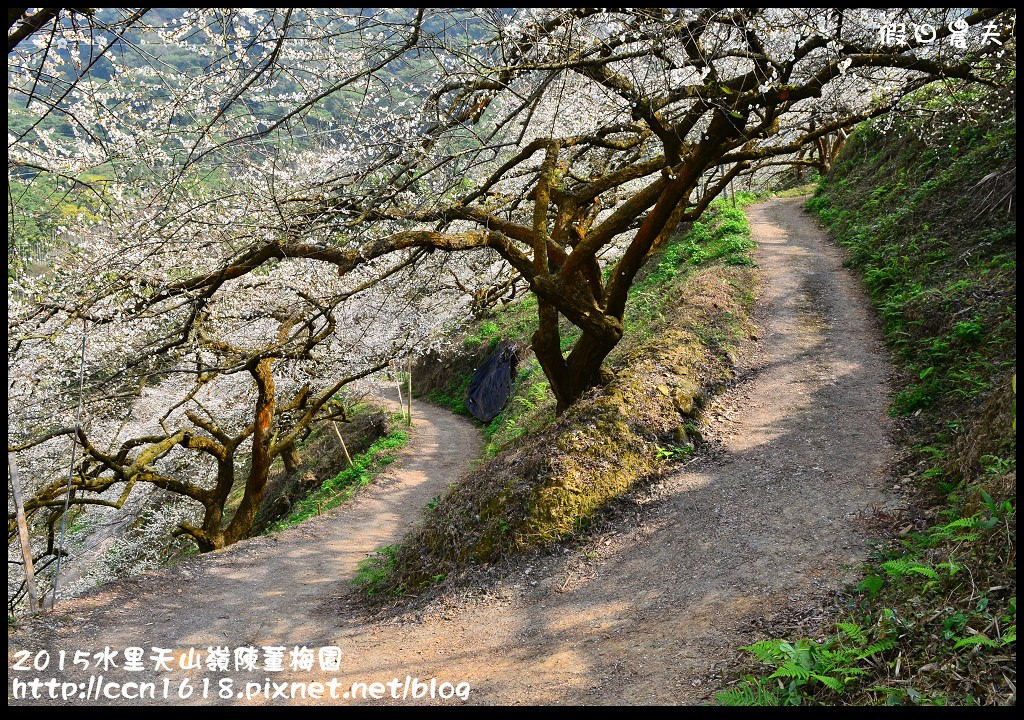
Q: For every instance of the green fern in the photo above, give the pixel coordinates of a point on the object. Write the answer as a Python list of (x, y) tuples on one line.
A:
[(803, 667), (954, 530), (852, 630), (871, 584), (975, 640), (876, 648), (766, 651), (851, 673), (791, 670), (956, 524), (741, 696), (902, 567), (830, 682), (951, 566), (750, 693)]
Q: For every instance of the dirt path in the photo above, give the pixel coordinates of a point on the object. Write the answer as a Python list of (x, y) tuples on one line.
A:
[(267, 590), (765, 524)]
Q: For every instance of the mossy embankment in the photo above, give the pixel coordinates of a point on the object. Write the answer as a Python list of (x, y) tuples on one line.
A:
[(926, 206), (547, 476)]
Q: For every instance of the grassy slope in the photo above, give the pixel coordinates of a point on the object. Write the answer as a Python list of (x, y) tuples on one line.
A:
[(347, 482), (548, 476), (323, 478), (934, 618)]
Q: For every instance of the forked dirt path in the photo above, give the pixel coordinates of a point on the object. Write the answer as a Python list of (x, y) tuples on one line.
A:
[(766, 523)]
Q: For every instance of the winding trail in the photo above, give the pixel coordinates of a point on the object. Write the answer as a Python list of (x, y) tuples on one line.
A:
[(764, 525)]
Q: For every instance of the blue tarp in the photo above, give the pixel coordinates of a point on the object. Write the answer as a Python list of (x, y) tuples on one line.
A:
[(492, 384)]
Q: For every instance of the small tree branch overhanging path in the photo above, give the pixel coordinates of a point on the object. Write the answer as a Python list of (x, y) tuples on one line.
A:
[(762, 526)]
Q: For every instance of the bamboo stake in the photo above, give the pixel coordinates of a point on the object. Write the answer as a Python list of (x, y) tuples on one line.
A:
[(401, 400), (26, 548), (408, 421), (342, 441)]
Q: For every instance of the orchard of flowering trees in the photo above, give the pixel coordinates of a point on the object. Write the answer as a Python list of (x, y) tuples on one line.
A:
[(250, 210)]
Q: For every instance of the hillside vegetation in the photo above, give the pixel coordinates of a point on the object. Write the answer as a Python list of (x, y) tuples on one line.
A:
[(927, 208)]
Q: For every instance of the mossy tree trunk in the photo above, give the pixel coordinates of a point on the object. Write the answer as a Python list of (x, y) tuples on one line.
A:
[(572, 284)]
